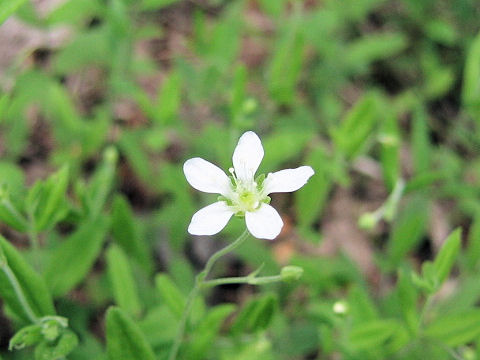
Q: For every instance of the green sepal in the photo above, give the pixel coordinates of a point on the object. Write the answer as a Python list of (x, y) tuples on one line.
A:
[(259, 180), (223, 198), (240, 214), (291, 273), (58, 349), (26, 336)]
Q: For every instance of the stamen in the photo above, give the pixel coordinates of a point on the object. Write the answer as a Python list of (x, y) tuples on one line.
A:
[(232, 171)]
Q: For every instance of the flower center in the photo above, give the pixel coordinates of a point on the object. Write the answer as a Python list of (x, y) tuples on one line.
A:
[(248, 201), (246, 195)]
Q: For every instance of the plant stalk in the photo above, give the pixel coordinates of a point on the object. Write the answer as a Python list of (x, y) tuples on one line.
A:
[(199, 283)]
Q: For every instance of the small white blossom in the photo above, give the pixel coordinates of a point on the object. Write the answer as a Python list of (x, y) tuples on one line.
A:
[(241, 194)]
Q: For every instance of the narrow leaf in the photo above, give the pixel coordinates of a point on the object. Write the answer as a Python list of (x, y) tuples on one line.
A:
[(72, 259), (102, 182), (408, 229), (471, 80), (207, 329), (372, 334), (170, 294), (122, 281), (448, 253), (357, 126), (125, 340), (126, 234), (455, 329), (51, 209), (31, 284)]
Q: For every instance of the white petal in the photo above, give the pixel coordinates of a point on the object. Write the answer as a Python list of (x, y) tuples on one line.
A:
[(206, 177), (247, 156), (264, 223), (210, 219), (287, 180)]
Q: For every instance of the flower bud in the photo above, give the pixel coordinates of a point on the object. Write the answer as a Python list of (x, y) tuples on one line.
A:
[(111, 154), (291, 273), (249, 106), (367, 221)]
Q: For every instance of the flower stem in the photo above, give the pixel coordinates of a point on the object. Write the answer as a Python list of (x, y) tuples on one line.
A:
[(183, 320), (199, 283), (243, 280), (222, 252)]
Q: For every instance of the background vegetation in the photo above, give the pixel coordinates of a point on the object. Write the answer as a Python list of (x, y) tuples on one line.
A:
[(102, 101)]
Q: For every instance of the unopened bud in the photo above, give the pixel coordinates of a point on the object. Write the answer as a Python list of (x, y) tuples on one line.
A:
[(249, 106), (291, 273), (367, 221), (111, 154)]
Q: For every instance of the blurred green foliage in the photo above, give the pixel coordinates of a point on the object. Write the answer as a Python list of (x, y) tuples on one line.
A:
[(370, 93)]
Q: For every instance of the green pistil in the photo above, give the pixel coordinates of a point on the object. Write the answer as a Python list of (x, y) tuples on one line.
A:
[(249, 201)]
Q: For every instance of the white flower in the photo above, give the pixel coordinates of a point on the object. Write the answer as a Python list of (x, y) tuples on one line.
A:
[(241, 194)]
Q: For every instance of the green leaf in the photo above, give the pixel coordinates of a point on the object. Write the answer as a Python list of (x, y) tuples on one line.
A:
[(58, 349), (122, 281), (311, 199), (170, 294), (130, 145), (370, 48), (100, 186), (238, 95), (25, 337), (372, 334), (448, 253), (390, 151), (455, 329), (471, 80), (407, 298), (50, 209), (473, 245), (88, 48), (256, 315), (206, 331), (71, 261), (169, 97), (357, 126), (8, 8), (9, 213), (283, 146), (420, 140), (4, 103), (125, 341), (286, 65), (126, 233), (361, 306), (31, 284), (12, 178), (408, 229), (71, 12), (159, 326)]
